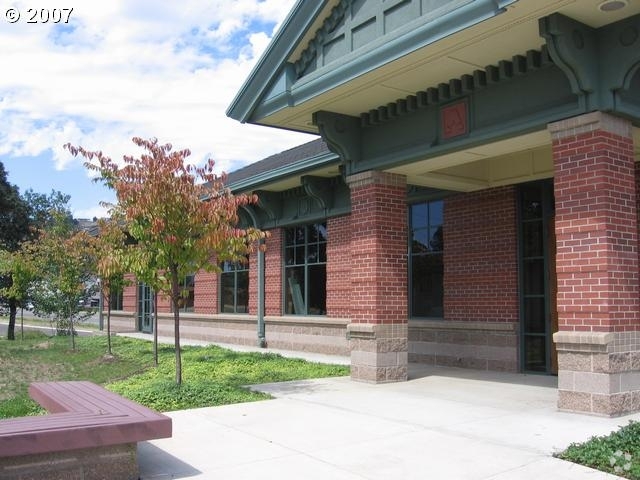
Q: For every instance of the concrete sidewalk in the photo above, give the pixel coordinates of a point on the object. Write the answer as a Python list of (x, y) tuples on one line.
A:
[(444, 423)]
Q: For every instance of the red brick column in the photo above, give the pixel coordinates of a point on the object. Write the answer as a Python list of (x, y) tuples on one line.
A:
[(597, 265), (378, 332)]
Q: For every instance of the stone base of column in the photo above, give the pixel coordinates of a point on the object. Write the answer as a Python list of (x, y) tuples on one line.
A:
[(598, 372), (379, 352)]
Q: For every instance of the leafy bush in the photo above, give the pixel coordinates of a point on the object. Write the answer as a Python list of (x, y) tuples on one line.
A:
[(166, 395), (215, 376), (617, 453)]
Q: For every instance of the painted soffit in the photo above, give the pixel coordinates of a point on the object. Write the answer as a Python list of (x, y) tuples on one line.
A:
[(468, 35), (304, 32), (518, 159)]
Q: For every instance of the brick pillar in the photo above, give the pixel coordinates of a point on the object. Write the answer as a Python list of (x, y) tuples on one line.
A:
[(597, 265), (379, 330)]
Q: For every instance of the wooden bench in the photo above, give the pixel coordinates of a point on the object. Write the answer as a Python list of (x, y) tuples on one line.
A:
[(89, 433)]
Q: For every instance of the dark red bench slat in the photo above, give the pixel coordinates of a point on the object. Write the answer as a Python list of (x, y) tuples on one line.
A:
[(84, 415)]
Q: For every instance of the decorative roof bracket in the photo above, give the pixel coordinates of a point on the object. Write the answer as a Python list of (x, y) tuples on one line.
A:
[(598, 63), (341, 134), (270, 203), (573, 47), (319, 188)]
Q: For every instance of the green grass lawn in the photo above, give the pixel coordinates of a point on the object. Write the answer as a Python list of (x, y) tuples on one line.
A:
[(211, 375)]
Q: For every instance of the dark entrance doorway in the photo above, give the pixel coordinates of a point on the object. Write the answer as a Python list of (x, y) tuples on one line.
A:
[(537, 276)]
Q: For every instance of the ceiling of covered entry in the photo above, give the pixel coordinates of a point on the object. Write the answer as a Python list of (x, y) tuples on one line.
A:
[(515, 160)]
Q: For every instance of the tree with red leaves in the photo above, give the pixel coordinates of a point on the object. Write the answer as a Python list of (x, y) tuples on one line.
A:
[(179, 215)]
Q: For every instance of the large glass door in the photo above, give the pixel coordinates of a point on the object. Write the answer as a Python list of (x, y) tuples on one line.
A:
[(538, 318), (145, 308)]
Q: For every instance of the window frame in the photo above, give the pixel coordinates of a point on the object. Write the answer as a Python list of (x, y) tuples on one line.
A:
[(119, 300), (320, 245), (429, 226), (234, 270), (184, 308)]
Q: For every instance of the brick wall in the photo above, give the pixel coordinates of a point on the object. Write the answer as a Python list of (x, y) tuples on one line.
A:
[(339, 267), (273, 274), (596, 224), (637, 177), (480, 256), (253, 283), (206, 292), (164, 304), (130, 294)]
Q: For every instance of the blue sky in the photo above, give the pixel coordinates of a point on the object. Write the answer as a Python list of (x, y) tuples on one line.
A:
[(126, 68)]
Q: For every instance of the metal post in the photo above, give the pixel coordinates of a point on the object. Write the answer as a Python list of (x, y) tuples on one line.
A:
[(262, 341), (100, 306)]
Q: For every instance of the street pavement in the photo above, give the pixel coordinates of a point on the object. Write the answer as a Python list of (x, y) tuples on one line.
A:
[(47, 329)]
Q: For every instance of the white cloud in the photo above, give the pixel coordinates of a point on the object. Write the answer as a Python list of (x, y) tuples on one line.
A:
[(136, 67), (93, 212)]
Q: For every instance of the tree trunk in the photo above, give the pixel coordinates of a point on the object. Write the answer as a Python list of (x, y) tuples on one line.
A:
[(109, 328), (155, 328), (11, 329), (71, 329), (175, 296)]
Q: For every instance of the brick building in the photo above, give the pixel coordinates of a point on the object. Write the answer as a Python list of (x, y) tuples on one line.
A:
[(472, 200)]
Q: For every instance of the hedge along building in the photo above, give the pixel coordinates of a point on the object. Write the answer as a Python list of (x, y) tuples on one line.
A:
[(477, 203)]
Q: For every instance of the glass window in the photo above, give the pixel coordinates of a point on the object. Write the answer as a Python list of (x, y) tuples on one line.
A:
[(426, 270), (115, 300), (234, 287), (305, 270), (188, 293)]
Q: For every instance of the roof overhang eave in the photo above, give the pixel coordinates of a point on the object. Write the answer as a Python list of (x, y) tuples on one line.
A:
[(296, 24), (301, 167)]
